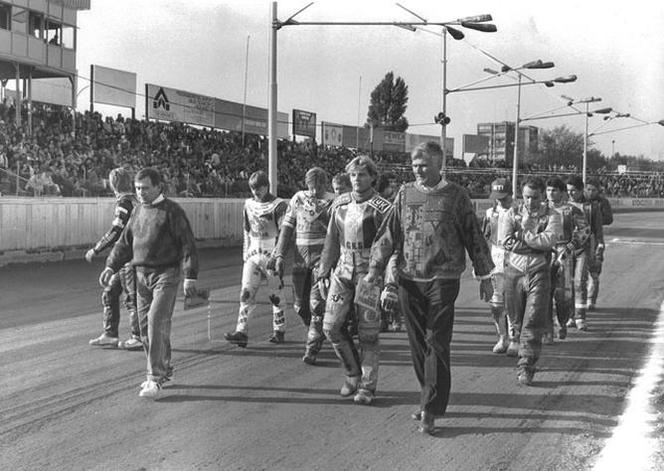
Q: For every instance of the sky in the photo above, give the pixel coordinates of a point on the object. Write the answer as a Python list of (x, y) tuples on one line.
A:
[(616, 49)]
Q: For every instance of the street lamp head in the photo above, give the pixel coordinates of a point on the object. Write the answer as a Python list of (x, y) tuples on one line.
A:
[(603, 110), (538, 64), (661, 122), (505, 68), (476, 19), (490, 71), (455, 33), (566, 79), (549, 84), (483, 27)]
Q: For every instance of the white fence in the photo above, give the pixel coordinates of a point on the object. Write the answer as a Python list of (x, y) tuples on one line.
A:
[(61, 224)]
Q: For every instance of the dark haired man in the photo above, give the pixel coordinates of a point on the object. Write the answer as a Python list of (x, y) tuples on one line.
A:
[(595, 263), (531, 231), (573, 238), (160, 244), (591, 249)]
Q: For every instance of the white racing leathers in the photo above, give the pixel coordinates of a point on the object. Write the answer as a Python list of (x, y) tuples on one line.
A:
[(261, 228), (490, 229)]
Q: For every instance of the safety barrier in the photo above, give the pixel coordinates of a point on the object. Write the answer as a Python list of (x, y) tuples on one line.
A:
[(51, 228)]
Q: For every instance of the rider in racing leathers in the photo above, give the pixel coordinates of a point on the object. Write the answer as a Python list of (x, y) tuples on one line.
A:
[(354, 221), (308, 217), (122, 185), (262, 216)]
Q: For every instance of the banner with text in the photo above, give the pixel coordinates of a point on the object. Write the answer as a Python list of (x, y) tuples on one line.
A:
[(304, 123), (177, 105)]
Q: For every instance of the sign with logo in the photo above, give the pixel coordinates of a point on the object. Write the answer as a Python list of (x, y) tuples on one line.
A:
[(332, 134), (304, 123), (169, 104)]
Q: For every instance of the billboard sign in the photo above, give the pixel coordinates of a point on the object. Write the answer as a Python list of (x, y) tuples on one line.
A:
[(113, 87), (332, 134), (170, 104), (304, 123)]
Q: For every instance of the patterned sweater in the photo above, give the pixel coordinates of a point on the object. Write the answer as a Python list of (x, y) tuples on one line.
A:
[(427, 234)]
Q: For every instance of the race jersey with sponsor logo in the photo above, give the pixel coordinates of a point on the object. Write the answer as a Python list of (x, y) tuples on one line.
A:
[(308, 216), (261, 225), (353, 226)]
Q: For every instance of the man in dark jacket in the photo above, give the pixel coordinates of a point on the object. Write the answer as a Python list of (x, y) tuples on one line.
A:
[(160, 244)]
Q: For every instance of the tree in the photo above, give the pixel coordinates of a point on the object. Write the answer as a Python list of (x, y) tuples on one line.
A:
[(389, 101)]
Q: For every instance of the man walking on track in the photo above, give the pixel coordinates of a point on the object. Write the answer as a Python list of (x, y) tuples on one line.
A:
[(125, 280), (425, 239), (160, 244)]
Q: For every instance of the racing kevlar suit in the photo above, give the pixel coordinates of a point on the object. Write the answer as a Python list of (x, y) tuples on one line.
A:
[(530, 238), (422, 248), (261, 229), (587, 256), (595, 264), (124, 279), (575, 233), (308, 217), (497, 302), (354, 222)]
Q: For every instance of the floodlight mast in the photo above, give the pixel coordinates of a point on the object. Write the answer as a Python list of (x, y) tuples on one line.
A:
[(477, 23)]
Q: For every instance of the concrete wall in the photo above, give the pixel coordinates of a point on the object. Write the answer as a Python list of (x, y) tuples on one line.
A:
[(58, 228)]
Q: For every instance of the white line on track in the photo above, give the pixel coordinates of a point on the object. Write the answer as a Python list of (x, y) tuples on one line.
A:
[(634, 242), (633, 443)]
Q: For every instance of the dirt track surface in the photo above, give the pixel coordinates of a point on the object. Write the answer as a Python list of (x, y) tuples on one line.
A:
[(65, 405)]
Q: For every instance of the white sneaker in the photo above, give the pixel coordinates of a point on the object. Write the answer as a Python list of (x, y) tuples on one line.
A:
[(150, 389), (132, 343), (581, 324), (500, 346), (513, 349), (364, 397), (350, 386), (104, 340)]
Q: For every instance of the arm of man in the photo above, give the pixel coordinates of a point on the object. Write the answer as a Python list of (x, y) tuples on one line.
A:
[(187, 242), (121, 217), (547, 238)]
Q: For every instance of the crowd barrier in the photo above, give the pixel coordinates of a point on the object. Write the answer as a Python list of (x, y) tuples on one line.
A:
[(54, 228)]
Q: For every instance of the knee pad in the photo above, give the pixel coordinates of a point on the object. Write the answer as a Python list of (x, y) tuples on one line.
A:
[(245, 295), (275, 300)]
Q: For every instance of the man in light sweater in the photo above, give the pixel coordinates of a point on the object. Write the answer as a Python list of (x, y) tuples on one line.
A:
[(422, 248), (160, 244)]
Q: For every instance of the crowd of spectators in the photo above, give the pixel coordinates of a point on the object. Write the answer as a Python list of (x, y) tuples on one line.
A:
[(71, 155)]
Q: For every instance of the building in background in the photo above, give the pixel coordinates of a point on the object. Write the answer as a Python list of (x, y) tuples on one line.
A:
[(501, 141)]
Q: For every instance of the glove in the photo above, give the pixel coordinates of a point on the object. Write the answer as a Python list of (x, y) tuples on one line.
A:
[(271, 263), (189, 287), (389, 298), (486, 290), (89, 255), (323, 287), (105, 277)]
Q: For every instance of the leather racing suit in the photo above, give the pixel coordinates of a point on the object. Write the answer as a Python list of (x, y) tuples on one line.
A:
[(354, 222)]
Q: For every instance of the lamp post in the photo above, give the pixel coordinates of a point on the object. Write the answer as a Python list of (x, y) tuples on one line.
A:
[(478, 23), (587, 114), (538, 64)]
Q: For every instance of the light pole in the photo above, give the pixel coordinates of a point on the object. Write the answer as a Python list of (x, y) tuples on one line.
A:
[(587, 114), (477, 23), (538, 64)]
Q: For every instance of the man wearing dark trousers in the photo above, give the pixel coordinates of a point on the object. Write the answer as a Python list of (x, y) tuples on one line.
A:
[(421, 246)]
